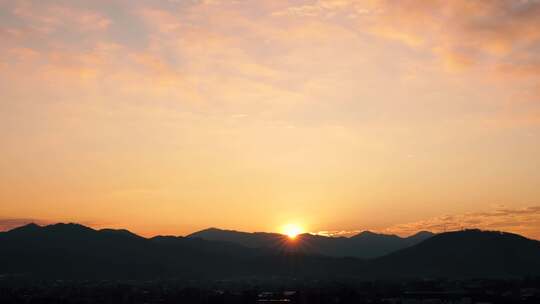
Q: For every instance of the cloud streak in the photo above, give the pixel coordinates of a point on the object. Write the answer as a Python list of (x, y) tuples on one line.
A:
[(525, 221), (495, 36)]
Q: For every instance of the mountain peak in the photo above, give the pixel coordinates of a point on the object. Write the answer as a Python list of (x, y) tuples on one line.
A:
[(478, 233), (423, 232), (367, 232), (212, 231), (421, 235), (69, 227), (121, 232), (466, 253), (28, 227), (370, 234)]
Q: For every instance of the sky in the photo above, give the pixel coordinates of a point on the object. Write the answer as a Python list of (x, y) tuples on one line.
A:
[(167, 117)]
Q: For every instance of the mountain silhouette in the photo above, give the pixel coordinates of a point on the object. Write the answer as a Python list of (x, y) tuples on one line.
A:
[(467, 253), (363, 245), (63, 251), (75, 251), (251, 240)]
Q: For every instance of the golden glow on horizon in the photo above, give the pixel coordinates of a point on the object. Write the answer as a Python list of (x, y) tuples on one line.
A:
[(292, 230)]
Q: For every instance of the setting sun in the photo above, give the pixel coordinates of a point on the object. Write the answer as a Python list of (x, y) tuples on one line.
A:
[(292, 230)]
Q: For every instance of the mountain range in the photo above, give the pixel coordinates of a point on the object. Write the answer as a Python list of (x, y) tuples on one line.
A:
[(363, 245), (63, 251)]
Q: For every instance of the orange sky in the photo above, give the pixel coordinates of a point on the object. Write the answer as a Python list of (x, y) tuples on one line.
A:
[(166, 117)]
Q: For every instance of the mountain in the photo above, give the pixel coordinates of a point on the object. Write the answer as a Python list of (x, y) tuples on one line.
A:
[(76, 251), (468, 253), (370, 245), (363, 245), (251, 240), (419, 237), (64, 251), (122, 232)]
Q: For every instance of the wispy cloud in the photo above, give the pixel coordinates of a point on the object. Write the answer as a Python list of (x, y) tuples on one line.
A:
[(337, 233), (524, 221), (48, 18), (493, 35)]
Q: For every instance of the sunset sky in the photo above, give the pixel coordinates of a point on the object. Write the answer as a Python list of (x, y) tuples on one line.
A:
[(167, 117)]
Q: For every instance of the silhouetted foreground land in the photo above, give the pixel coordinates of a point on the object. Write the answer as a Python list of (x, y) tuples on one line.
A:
[(364, 245), (70, 263), (71, 251), (278, 290)]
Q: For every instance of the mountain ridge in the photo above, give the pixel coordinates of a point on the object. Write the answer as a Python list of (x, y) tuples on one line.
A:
[(365, 244), (75, 251), (467, 253)]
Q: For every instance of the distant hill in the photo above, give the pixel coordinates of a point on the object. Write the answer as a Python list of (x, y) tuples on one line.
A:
[(252, 240), (363, 245), (468, 253), (74, 251)]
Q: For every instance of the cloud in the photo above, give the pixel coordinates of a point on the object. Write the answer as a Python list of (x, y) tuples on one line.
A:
[(474, 31), (162, 20), (45, 18), (525, 221), (496, 36), (323, 8), (337, 233)]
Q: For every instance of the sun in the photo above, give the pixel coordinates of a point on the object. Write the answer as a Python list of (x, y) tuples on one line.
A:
[(292, 230)]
